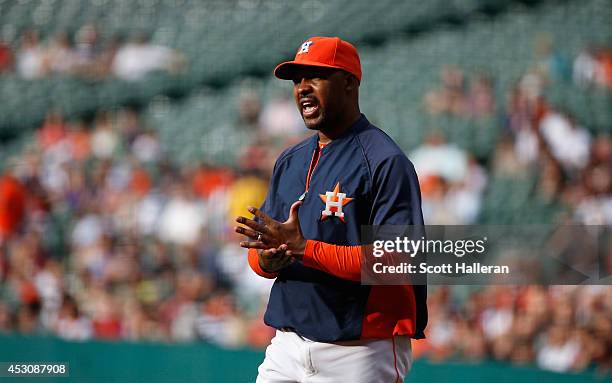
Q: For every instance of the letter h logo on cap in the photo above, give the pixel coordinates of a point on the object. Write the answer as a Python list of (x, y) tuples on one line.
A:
[(304, 48)]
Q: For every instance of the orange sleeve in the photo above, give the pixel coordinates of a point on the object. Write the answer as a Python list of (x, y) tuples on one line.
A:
[(341, 261), (254, 263)]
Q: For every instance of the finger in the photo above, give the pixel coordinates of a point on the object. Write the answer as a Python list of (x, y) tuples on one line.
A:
[(290, 254), (269, 253), (280, 257), (252, 224), (293, 211), (279, 252), (254, 245), (260, 214), (248, 232)]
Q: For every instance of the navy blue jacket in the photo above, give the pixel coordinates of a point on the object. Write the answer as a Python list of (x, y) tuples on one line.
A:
[(372, 170)]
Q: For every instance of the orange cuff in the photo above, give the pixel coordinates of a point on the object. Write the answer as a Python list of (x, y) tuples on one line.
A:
[(254, 263)]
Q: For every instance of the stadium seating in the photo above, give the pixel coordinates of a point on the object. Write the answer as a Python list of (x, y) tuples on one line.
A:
[(258, 32), (261, 32), (398, 74), (512, 201)]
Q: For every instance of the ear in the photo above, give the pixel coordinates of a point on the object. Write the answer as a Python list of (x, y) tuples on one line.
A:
[(351, 82)]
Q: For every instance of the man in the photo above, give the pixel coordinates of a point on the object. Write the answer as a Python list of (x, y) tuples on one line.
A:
[(330, 328)]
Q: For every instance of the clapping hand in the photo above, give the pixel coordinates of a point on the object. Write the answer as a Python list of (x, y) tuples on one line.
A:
[(278, 244)]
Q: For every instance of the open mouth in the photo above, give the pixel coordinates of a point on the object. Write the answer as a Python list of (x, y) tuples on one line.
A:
[(310, 108)]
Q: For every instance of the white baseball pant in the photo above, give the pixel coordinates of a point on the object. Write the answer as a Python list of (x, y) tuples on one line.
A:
[(291, 358)]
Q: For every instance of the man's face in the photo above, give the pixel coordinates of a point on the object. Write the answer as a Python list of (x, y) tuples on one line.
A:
[(320, 95)]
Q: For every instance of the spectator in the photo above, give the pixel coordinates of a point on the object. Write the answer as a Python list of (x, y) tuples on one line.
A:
[(106, 323), (6, 319), (6, 57), (599, 167), (481, 100), (249, 110), (593, 198), (139, 57), (87, 47), (550, 64), (12, 205), (593, 66), (60, 57), (71, 324), (569, 144), (104, 61), (104, 139), (52, 130), (451, 98), (452, 183), (182, 219), (438, 158), (30, 58), (27, 319), (218, 320), (559, 351), (280, 118), (49, 286), (207, 178), (146, 147), (78, 141), (248, 190)]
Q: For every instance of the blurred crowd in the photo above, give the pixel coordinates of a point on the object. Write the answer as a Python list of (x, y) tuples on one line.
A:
[(452, 181), (103, 236), (86, 55), (572, 165), (560, 328)]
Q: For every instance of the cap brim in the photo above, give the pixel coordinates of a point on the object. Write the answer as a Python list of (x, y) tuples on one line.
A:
[(285, 70)]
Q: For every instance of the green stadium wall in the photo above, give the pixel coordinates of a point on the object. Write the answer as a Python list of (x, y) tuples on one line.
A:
[(108, 362)]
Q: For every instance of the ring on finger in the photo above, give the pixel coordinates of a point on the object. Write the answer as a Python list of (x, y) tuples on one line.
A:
[(259, 237)]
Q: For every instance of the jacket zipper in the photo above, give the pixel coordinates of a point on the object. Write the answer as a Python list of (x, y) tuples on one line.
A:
[(314, 161)]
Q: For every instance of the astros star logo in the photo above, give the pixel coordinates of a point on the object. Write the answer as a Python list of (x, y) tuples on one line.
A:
[(334, 201)]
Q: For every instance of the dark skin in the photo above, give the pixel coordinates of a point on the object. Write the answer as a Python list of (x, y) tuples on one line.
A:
[(328, 100), (334, 92)]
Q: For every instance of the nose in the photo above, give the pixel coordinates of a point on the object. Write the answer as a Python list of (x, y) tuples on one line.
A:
[(304, 86)]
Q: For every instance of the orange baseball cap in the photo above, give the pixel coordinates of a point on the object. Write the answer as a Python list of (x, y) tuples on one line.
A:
[(326, 52)]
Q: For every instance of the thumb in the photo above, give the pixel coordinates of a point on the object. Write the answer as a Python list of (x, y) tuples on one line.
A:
[(293, 211)]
